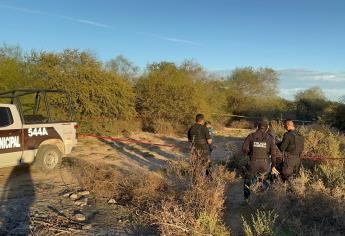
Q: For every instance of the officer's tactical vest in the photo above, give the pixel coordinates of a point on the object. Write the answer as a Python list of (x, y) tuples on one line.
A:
[(259, 148), (299, 144)]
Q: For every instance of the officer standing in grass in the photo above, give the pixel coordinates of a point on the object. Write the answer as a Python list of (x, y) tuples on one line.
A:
[(199, 138), (292, 147), (278, 154), (260, 148)]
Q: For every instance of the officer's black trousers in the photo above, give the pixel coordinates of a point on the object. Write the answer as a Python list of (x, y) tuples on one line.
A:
[(291, 166), (254, 168)]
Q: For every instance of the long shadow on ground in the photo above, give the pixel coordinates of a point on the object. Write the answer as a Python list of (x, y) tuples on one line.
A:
[(16, 200), (142, 158)]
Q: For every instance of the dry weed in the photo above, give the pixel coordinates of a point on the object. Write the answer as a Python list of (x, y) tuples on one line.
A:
[(262, 223), (132, 188), (242, 124), (177, 201), (320, 141), (197, 210), (278, 128), (305, 205)]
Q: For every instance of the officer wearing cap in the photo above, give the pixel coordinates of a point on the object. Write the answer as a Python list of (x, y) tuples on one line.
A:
[(292, 147), (260, 147)]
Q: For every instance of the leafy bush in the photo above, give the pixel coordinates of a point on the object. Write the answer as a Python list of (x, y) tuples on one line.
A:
[(163, 127), (262, 223), (168, 93), (320, 141), (94, 90), (334, 115), (242, 124), (310, 103), (12, 68), (252, 92), (332, 174), (108, 126), (210, 225), (306, 205)]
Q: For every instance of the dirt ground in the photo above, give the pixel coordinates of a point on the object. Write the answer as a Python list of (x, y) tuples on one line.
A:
[(34, 202)]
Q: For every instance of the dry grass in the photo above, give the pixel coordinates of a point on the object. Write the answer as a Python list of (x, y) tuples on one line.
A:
[(135, 188), (242, 124), (197, 207), (278, 128), (331, 174), (164, 127), (305, 207), (311, 204), (174, 200), (321, 141)]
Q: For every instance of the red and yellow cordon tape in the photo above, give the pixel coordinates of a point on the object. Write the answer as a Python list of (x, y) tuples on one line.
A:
[(122, 140)]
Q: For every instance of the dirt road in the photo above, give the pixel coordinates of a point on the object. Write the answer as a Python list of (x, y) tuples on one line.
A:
[(32, 201)]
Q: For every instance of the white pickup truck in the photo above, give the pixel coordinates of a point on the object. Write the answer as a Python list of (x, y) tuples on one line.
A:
[(32, 132)]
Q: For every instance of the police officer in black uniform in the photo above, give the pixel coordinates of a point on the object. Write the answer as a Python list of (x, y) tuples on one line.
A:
[(278, 155), (260, 148), (199, 138), (292, 147)]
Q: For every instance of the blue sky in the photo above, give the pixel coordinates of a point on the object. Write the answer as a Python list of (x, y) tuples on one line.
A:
[(302, 40)]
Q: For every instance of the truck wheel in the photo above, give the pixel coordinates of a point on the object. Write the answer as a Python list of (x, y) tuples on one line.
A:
[(48, 158)]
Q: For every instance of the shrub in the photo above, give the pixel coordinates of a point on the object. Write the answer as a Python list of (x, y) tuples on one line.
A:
[(242, 124), (167, 92), (210, 225), (128, 188), (306, 205), (94, 90), (174, 200), (262, 223), (332, 174), (108, 126), (278, 128), (310, 103), (320, 141), (163, 127), (197, 209)]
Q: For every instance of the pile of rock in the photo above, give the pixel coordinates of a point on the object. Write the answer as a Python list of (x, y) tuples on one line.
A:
[(80, 198)]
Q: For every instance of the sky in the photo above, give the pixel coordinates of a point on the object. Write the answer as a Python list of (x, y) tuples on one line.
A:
[(304, 40)]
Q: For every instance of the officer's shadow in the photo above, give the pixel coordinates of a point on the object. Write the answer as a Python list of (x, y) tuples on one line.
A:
[(17, 197)]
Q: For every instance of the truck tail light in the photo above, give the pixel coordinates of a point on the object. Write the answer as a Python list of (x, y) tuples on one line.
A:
[(77, 126)]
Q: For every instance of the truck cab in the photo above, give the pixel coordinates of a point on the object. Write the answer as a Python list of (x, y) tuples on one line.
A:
[(35, 128)]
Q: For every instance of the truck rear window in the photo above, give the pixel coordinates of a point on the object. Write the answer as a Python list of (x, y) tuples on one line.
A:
[(5, 117)]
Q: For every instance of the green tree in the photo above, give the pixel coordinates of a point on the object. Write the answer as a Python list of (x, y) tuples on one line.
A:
[(310, 103), (334, 114), (123, 67), (94, 90), (12, 68), (170, 93), (252, 91)]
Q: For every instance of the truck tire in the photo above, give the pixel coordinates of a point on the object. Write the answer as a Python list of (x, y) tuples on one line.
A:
[(48, 158)]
